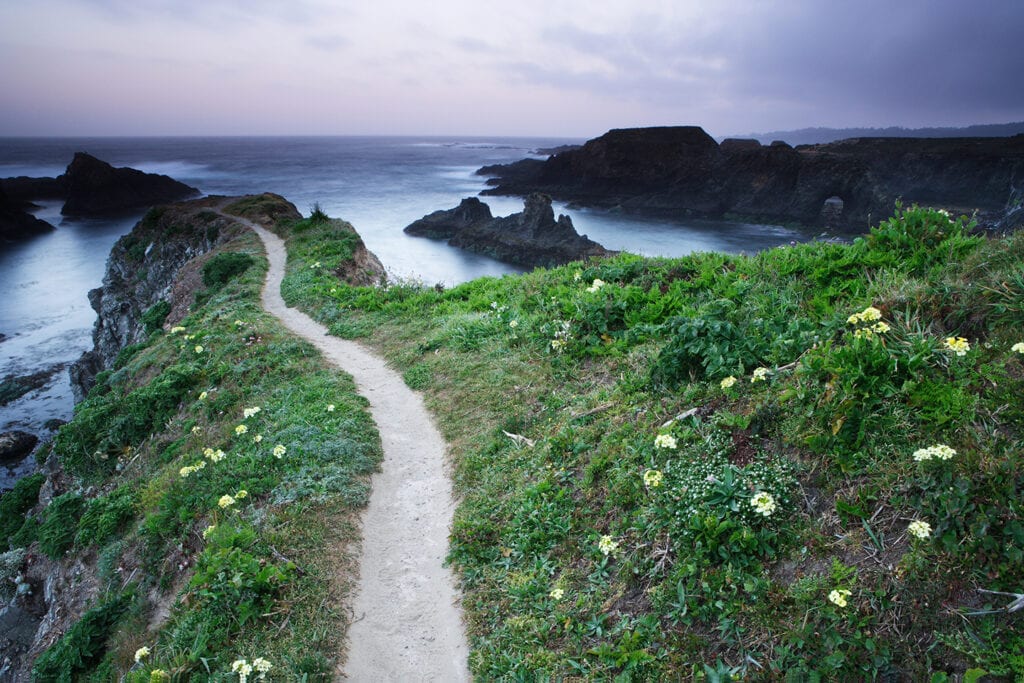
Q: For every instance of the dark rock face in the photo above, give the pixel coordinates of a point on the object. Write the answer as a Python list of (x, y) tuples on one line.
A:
[(15, 445), (446, 224), (95, 188), (16, 223), (141, 271), (531, 238), (680, 172)]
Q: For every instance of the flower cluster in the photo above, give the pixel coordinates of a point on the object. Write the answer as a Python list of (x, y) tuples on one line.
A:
[(652, 478), (279, 450), (159, 676), (665, 441), (203, 395), (939, 452), (177, 329), (869, 322), (868, 315), (562, 336), (330, 407), (141, 653), (919, 529), (208, 530), (249, 412), (191, 469), (597, 284), (838, 597), (243, 668), (556, 593), (728, 382), (760, 375), (763, 503), (226, 501), (957, 345), (607, 545), (1018, 348), (241, 429), (213, 455), (199, 348)]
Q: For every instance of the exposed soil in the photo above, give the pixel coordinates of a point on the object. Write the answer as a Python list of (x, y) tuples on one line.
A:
[(406, 620)]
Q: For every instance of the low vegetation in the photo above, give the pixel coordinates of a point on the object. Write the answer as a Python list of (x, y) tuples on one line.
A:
[(799, 465), (218, 468), (803, 464)]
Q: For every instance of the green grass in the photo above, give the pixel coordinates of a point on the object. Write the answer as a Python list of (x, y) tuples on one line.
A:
[(612, 478), (263, 576), (699, 584)]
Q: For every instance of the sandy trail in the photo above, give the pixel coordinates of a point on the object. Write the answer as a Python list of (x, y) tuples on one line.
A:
[(407, 624)]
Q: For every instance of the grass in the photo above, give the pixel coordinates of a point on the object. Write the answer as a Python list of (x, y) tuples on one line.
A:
[(699, 583), (158, 444), (669, 469)]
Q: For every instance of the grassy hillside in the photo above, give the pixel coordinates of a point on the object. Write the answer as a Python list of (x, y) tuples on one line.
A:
[(209, 497), (798, 465), (802, 464)]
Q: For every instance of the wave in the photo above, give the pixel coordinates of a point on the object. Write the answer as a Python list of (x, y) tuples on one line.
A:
[(177, 169), (30, 170)]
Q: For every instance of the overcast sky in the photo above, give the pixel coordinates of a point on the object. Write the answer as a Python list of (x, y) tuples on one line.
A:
[(522, 67)]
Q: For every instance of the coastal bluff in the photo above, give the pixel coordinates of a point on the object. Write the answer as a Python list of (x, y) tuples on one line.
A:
[(682, 172), (530, 238)]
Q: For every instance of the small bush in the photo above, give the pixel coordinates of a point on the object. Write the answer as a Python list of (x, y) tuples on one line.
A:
[(60, 520), (84, 645), (105, 516), (222, 267), (15, 503), (153, 318)]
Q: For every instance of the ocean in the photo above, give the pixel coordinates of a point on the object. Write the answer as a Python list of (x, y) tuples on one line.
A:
[(379, 184)]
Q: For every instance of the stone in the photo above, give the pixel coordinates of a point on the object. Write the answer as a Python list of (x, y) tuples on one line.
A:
[(530, 238), (95, 188), (15, 445)]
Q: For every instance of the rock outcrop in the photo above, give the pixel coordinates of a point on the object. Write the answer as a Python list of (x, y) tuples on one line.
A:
[(95, 188), (682, 172), (15, 445), (16, 223), (90, 187), (141, 272), (530, 238)]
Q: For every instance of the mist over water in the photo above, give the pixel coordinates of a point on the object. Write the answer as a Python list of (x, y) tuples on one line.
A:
[(378, 184)]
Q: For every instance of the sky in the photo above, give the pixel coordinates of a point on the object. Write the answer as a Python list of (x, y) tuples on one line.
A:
[(560, 68)]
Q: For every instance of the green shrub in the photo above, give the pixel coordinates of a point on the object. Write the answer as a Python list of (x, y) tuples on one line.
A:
[(222, 267), (15, 503), (83, 646), (60, 520), (153, 318), (105, 516)]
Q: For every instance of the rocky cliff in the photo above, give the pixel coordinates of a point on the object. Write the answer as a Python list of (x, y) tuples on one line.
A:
[(141, 271), (91, 187), (681, 172), (530, 238)]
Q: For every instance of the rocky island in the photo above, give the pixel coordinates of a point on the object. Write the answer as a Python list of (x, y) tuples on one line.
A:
[(682, 172), (90, 187), (530, 238)]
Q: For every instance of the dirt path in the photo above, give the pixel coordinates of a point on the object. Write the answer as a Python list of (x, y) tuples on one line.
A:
[(407, 625)]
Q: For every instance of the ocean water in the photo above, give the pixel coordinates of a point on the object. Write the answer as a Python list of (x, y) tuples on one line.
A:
[(379, 184)]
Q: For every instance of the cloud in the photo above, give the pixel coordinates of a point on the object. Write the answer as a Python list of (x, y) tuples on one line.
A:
[(328, 42)]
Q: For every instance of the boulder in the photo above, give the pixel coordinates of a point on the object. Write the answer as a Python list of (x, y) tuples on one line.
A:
[(448, 223), (15, 445), (531, 238), (95, 188), (16, 223)]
